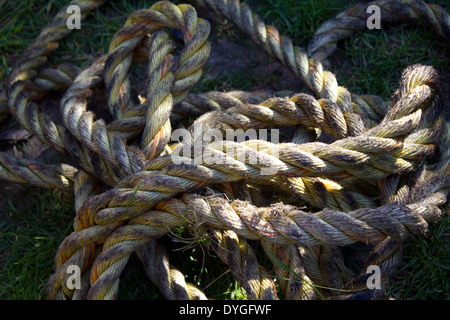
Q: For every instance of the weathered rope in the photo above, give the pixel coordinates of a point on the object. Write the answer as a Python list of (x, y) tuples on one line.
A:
[(240, 258), (127, 194), (154, 259), (295, 285), (323, 83), (387, 253), (325, 39), (169, 280), (294, 160), (36, 173)]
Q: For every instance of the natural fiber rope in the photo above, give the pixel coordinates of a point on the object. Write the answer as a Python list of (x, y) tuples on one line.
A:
[(323, 44), (294, 160), (36, 173), (111, 225), (155, 231), (322, 83)]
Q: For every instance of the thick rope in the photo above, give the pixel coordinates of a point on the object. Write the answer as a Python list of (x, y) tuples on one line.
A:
[(153, 230), (169, 280), (332, 160), (323, 83), (126, 196), (325, 39), (36, 173)]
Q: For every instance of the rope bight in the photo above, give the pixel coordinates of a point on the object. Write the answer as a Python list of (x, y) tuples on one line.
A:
[(383, 176)]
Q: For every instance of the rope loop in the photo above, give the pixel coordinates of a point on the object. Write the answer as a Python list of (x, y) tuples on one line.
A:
[(351, 168)]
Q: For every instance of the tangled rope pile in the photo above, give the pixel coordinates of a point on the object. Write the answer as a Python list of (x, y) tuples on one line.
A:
[(384, 175)]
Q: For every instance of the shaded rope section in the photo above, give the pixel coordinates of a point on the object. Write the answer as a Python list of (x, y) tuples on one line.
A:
[(428, 190), (325, 39), (46, 80), (242, 191), (58, 176), (241, 260), (85, 186), (26, 69), (288, 263), (169, 280)]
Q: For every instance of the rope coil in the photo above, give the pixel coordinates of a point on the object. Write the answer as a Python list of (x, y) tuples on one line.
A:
[(132, 185)]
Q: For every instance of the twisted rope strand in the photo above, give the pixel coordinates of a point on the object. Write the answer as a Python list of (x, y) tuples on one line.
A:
[(325, 39), (170, 281), (25, 70), (293, 280), (279, 224), (125, 159), (241, 260), (60, 176), (372, 184), (314, 157), (322, 83), (158, 127)]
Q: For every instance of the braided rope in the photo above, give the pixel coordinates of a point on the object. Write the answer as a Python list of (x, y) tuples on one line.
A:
[(276, 224), (376, 145), (47, 80), (294, 282), (372, 226), (229, 245), (94, 135), (33, 58), (153, 257), (192, 106), (158, 127), (386, 255)]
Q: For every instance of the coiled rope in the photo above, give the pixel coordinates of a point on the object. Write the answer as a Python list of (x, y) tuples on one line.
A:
[(373, 184)]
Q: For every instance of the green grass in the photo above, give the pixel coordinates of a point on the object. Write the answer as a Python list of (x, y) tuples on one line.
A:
[(425, 268), (29, 237), (32, 227), (298, 19), (374, 61)]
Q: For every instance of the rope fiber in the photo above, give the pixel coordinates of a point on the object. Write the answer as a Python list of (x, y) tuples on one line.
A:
[(355, 168)]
